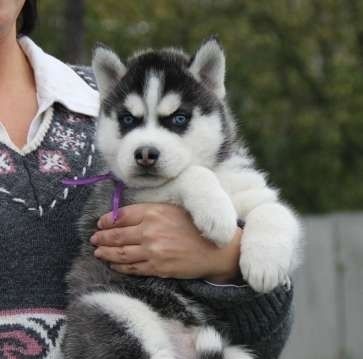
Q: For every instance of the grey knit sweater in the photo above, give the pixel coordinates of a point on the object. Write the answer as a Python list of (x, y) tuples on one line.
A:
[(38, 241)]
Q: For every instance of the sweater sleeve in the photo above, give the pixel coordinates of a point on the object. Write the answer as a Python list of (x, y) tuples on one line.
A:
[(262, 322)]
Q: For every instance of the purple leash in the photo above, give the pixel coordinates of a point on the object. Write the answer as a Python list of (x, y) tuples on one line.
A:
[(116, 196)]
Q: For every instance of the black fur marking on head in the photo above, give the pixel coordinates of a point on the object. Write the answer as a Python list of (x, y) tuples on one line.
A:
[(173, 66)]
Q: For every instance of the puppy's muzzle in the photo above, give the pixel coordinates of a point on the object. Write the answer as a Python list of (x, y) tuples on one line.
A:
[(146, 156)]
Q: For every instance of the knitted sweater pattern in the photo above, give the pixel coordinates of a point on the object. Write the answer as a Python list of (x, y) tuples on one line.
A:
[(39, 240)]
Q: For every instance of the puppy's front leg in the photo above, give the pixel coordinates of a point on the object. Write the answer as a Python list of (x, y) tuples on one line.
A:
[(209, 205), (269, 247)]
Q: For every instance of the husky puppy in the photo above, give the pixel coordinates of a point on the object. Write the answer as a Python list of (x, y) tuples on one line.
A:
[(165, 129)]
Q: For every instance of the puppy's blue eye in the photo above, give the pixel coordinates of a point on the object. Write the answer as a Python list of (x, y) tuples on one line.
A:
[(176, 122), (128, 122), (179, 119), (127, 119)]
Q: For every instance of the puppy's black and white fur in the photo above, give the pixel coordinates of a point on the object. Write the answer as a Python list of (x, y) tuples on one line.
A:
[(165, 129)]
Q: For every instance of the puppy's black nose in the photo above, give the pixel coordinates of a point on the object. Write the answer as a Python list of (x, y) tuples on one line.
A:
[(146, 156)]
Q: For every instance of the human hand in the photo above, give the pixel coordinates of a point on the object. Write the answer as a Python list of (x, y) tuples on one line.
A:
[(161, 240)]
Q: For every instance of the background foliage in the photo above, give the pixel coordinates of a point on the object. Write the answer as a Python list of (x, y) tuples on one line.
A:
[(294, 77)]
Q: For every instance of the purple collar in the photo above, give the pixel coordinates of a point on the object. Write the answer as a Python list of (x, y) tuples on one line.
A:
[(116, 196)]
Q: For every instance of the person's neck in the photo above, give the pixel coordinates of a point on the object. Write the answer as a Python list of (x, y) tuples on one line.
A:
[(15, 69), (18, 101)]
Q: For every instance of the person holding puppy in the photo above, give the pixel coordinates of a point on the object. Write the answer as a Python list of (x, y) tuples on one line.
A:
[(47, 122)]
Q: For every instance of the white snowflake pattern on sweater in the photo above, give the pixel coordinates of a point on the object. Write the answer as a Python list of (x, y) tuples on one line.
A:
[(72, 119), (6, 163), (67, 139), (52, 162)]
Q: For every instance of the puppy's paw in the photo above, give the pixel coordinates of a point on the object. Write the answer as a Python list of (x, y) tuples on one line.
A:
[(210, 206), (217, 222), (263, 276), (264, 264)]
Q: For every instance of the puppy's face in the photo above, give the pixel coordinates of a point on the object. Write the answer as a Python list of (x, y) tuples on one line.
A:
[(161, 113)]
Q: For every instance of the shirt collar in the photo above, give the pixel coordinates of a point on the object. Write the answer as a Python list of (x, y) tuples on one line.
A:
[(57, 82)]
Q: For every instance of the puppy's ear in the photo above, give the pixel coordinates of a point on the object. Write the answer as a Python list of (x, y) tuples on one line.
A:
[(107, 68), (208, 66)]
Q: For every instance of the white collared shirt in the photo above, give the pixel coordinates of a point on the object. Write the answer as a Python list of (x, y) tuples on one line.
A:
[(55, 82)]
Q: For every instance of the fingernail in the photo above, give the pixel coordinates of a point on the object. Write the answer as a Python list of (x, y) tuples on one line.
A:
[(114, 217), (97, 253), (93, 239), (99, 224)]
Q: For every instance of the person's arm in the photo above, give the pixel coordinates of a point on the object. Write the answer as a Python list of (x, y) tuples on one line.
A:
[(161, 240)]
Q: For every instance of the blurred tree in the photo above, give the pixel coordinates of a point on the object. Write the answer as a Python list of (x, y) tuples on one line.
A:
[(74, 31), (294, 75)]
